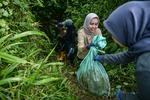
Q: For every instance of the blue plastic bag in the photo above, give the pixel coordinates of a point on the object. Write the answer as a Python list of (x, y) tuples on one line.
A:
[(91, 74)]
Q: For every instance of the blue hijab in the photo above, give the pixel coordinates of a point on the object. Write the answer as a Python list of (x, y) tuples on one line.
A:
[(129, 24)]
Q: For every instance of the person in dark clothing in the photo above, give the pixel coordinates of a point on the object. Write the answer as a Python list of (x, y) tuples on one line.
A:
[(66, 39), (129, 26)]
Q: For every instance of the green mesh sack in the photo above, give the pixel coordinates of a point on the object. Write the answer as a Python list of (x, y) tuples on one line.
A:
[(91, 74)]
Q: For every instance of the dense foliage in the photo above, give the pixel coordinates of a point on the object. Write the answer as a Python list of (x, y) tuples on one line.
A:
[(28, 65)]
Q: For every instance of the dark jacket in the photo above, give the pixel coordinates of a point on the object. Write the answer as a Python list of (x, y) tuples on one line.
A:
[(142, 67), (129, 24)]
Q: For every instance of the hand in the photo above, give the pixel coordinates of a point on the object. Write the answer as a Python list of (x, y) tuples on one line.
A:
[(71, 51), (119, 94), (89, 45), (97, 58)]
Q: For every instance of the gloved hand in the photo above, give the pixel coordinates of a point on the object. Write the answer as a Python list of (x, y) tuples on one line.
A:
[(119, 95), (97, 58), (126, 96), (71, 51), (89, 45)]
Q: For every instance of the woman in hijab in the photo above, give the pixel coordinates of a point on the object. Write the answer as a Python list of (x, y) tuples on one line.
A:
[(86, 34), (129, 25)]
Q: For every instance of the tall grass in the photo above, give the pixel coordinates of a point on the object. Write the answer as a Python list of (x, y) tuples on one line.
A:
[(28, 70), (22, 77)]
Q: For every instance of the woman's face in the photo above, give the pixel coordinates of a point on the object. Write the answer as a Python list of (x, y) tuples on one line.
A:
[(93, 25)]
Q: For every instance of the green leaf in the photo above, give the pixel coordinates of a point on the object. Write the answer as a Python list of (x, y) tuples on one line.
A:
[(27, 33), (40, 2), (13, 44), (4, 38), (47, 80), (125, 83), (1, 4), (8, 70), (55, 64), (2, 23), (118, 86), (9, 80), (5, 13), (11, 58)]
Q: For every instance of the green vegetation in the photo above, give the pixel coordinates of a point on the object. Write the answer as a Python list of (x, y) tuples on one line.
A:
[(28, 66)]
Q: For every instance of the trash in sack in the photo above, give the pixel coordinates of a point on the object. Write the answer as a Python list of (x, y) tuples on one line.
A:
[(91, 74)]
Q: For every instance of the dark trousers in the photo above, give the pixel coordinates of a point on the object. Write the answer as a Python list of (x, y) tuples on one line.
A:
[(143, 83)]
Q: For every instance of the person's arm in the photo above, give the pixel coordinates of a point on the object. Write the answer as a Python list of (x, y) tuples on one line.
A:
[(119, 58), (81, 42), (82, 51)]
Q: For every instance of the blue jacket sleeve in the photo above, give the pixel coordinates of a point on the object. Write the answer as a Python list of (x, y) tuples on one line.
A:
[(118, 58)]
